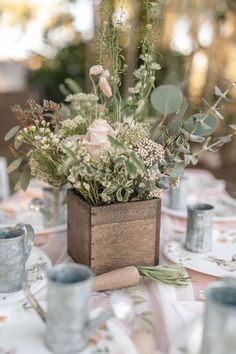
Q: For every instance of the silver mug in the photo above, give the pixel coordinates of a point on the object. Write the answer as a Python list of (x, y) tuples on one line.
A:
[(199, 228), (15, 248), (220, 318), (52, 206), (69, 327)]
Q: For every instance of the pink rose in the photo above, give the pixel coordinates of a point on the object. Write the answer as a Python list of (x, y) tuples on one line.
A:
[(96, 70), (105, 87), (96, 138)]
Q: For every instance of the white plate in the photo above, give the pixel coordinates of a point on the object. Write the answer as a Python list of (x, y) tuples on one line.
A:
[(188, 339), (220, 262), (36, 265), (225, 207), (23, 324), (19, 213)]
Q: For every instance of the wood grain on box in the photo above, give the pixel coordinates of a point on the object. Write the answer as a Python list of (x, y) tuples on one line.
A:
[(113, 236)]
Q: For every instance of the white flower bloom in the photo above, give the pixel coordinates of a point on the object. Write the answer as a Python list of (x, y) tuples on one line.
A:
[(133, 90), (155, 66), (55, 140), (147, 58)]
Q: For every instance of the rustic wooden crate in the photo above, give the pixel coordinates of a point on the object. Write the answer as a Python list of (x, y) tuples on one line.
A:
[(112, 236)]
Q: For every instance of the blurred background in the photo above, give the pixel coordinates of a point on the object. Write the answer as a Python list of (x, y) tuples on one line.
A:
[(45, 42)]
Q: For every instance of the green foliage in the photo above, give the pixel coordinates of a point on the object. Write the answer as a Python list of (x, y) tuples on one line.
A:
[(167, 99), (102, 144), (14, 165), (12, 132), (201, 124)]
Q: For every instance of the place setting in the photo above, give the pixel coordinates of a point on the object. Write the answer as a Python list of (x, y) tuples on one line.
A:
[(200, 189), (47, 214), (202, 247)]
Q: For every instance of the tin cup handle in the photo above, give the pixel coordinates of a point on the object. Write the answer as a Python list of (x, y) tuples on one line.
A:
[(29, 238)]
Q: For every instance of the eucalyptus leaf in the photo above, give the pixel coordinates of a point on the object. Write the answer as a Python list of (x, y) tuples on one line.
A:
[(196, 138), (14, 165), (175, 124), (218, 91), (193, 125), (12, 132), (167, 99), (233, 126), (17, 143), (25, 178)]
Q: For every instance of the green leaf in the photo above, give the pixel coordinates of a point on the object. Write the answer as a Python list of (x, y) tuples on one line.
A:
[(131, 169), (72, 85), (65, 111), (14, 165), (175, 124), (196, 138), (12, 132), (136, 160), (167, 99), (119, 195), (190, 159), (17, 143), (177, 170), (194, 124), (25, 178), (110, 190), (115, 142)]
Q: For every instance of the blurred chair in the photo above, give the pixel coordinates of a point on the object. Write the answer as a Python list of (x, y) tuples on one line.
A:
[(4, 180)]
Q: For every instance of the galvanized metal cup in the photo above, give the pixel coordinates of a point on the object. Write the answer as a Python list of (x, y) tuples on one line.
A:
[(199, 228), (177, 197), (68, 323), (15, 248), (220, 318), (52, 206)]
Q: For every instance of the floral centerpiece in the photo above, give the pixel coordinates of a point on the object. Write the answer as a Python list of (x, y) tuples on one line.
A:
[(110, 149)]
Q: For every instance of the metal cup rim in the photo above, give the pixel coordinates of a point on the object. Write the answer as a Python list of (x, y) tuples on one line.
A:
[(200, 207), (219, 285), (59, 267), (11, 228)]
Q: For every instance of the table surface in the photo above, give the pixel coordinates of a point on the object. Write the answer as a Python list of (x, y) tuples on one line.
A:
[(162, 309)]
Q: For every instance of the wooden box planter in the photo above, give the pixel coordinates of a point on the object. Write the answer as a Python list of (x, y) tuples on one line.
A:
[(112, 236)]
